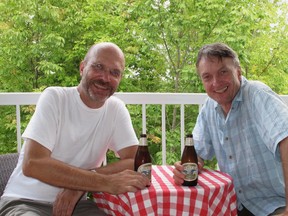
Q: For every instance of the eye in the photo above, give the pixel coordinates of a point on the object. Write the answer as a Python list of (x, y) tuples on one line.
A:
[(98, 66), (206, 78), (115, 73)]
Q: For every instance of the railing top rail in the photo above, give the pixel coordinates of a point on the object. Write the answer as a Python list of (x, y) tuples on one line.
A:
[(138, 98), (162, 98), (30, 98), (19, 98)]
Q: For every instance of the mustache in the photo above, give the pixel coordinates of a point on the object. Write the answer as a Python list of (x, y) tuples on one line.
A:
[(101, 83)]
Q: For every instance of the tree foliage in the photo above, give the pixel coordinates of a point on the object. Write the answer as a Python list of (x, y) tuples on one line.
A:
[(43, 41)]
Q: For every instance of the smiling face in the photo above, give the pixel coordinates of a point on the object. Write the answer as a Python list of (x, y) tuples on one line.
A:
[(101, 73), (221, 79)]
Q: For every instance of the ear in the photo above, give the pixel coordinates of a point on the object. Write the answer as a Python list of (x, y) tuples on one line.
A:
[(239, 72), (81, 68)]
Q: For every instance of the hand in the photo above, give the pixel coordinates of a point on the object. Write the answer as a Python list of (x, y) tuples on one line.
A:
[(178, 175), (126, 181), (66, 201), (200, 164)]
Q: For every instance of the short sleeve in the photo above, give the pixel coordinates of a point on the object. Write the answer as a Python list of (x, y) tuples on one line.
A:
[(43, 124)]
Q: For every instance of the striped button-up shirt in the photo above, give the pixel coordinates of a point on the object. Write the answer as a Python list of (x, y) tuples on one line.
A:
[(245, 143)]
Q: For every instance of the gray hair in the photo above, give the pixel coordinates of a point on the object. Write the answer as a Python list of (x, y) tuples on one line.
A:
[(218, 50)]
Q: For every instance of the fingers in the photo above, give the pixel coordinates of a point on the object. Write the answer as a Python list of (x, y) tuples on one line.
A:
[(136, 180), (200, 166), (178, 175), (200, 163), (60, 207), (127, 181), (63, 209), (65, 202), (178, 165)]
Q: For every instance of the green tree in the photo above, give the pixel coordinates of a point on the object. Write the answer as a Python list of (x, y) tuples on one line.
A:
[(34, 43), (43, 42), (177, 29)]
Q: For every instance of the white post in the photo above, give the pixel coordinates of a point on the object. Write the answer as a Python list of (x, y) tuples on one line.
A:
[(163, 135), (18, 127)]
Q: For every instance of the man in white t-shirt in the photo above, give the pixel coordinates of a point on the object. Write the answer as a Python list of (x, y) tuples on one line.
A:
[(66, 141)]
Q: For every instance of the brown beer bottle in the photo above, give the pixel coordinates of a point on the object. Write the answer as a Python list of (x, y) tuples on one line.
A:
[(142, 162), (190, 162)]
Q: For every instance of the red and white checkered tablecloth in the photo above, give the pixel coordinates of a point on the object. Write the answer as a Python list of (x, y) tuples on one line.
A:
[(214, 195)]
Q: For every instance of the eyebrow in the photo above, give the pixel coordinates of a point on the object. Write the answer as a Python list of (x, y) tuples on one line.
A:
[(218, 70), (223, 67)]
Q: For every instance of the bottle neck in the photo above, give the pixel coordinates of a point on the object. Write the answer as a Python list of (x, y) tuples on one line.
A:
[(143, 141), (189, 141)]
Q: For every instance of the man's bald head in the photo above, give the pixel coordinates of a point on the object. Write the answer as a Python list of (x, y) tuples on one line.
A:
[(92, 52)]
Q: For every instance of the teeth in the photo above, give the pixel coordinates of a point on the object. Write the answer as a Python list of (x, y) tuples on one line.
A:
[(99, 86), (221, 90)]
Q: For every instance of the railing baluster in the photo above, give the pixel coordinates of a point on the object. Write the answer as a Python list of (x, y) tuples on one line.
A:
[(143, 119), (18, 127), (182, 119), (28, 98), (163, 114)]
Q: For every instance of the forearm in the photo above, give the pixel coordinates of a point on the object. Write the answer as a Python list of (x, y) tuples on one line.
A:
[(61, 175), (38, 164), (284, 159), (116, 167), (126, 161)]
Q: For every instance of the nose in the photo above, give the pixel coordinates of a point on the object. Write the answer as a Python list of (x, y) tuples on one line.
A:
[(215, 80), (105, 75)]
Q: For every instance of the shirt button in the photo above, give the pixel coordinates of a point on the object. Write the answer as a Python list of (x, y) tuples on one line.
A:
[(240, 191), (226, 138), (230, 157)]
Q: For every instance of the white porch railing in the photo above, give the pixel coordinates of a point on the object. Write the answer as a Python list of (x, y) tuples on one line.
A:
[(163, 99)]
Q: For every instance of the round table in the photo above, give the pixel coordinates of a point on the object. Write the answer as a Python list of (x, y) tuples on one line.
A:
[(214, 195)]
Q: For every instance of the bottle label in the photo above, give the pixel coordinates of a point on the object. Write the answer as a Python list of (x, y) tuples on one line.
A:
[(190, 171), (145, 169)]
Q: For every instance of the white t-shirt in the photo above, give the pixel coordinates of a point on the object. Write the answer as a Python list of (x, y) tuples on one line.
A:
[(74, 133)]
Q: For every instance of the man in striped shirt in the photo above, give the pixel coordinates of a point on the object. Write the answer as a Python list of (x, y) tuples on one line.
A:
[(244, 124)]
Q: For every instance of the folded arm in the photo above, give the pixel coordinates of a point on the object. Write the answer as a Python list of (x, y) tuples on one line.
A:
[(126, 161), (38, 164)]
